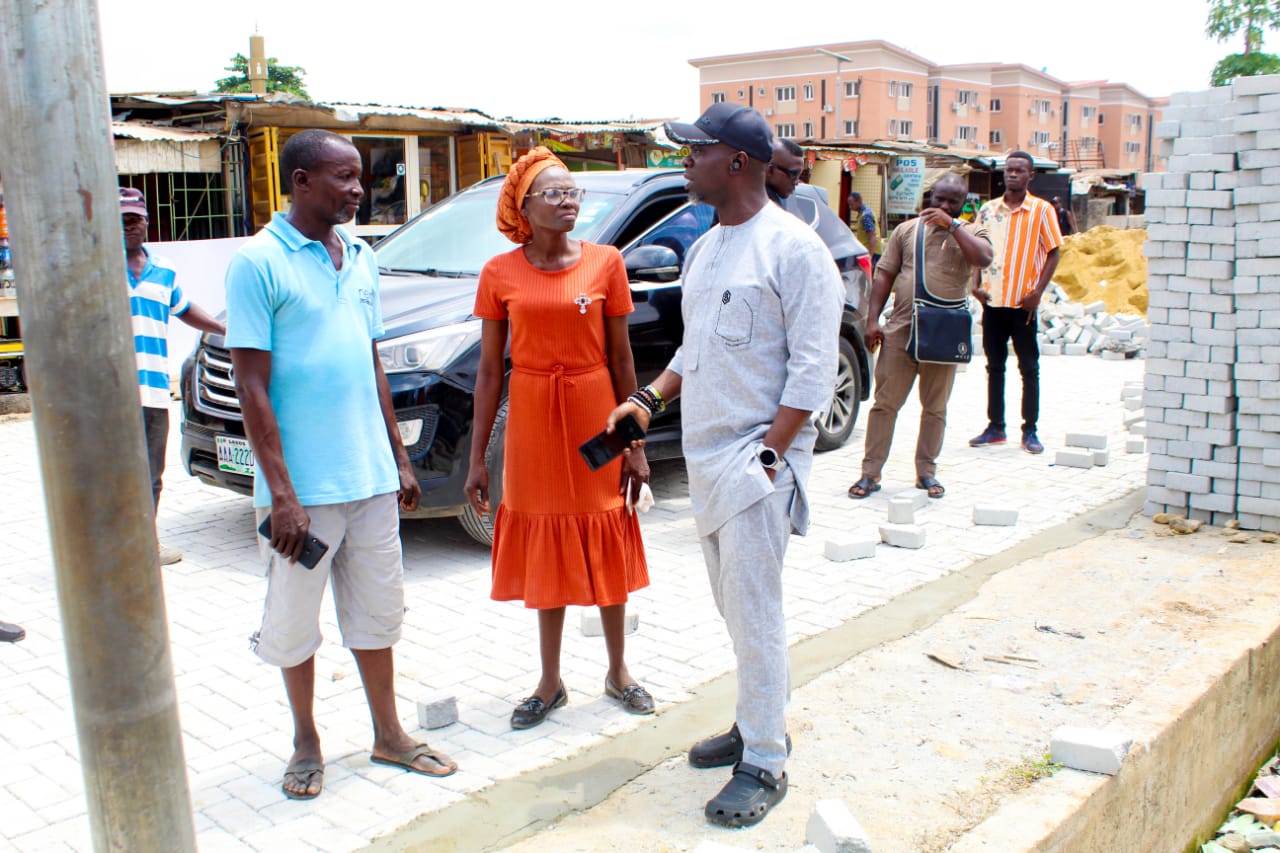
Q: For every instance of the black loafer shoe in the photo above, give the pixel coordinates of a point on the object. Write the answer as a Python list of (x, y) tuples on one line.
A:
[(749, 796), (721, 751), (634, 698), (533, 710)]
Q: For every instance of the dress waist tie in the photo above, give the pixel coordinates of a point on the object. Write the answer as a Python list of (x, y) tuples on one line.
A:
[(560, 381)]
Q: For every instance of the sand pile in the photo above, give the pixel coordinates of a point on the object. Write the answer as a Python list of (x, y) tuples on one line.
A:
[(1105, 264)]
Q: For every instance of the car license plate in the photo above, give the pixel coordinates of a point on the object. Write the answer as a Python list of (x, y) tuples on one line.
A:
[(234, 455)]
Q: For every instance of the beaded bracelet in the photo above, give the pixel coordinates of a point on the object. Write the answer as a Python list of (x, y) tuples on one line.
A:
[(649, 398)]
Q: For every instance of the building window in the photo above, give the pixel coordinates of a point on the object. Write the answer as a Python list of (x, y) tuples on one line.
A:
[(1133, 148), (1088, 142), (742, 93), (1134, 121), (850, 128), (1040, 138), (900, 89), (968, 97), (784, 93), (1102, 119), (899, 127), (967, 133), (1088, 112), (787, 131), (852, 88), (808, 130), (717, 97), (808, 91), (997, 137), (1041, 106), (995, 105)]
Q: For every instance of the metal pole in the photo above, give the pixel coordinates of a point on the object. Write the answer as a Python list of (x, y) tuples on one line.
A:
[(840, 60), (60, 189)]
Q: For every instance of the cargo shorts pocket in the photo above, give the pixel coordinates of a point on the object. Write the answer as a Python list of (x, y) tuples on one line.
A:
[(736, 316)]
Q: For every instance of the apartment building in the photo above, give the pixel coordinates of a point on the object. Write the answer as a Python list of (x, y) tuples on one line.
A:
[(959, 105), (838, 92), (874, 90), (1125, 116), (1081, 125)]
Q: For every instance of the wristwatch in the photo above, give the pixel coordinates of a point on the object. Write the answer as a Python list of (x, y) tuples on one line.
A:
[(769, 458), (955, 223)]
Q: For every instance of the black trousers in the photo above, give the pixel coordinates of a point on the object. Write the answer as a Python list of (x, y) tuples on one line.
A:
[(999, 326), (156, 424)]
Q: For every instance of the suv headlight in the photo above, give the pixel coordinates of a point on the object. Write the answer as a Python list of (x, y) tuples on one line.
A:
[(429, 350)]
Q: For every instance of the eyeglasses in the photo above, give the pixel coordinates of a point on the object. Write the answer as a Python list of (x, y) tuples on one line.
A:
[(555, 195), (793, 174)]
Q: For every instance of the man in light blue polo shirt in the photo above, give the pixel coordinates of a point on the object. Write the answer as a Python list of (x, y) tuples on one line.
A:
[(154, 297), (303, 317)]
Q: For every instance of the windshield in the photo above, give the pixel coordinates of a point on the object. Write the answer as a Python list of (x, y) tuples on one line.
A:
[(460, 234)]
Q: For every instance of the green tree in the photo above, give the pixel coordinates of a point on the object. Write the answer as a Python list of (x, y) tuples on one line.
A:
[(1253, 17), (280, 78)]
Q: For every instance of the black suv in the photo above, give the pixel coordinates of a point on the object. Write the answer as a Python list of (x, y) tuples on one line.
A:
[(431, 349)]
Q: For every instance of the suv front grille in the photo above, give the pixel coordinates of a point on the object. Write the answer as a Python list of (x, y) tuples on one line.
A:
[(215, 386)]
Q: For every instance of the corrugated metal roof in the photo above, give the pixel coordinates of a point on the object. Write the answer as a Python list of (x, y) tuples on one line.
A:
[(154, 133)]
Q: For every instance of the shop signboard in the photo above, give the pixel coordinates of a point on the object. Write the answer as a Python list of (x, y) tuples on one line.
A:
[(906, 180), (661, 158)]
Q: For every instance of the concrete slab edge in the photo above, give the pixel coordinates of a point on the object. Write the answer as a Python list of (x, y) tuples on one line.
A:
[(545, 795), (1198, 745)]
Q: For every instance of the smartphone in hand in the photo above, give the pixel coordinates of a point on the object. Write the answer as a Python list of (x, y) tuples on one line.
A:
[(603, 448), (311, 552)]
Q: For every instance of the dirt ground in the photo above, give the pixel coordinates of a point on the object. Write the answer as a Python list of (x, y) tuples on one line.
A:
[(920, 751)]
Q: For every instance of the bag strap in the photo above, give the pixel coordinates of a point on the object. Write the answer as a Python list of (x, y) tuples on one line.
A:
[(922, 289)]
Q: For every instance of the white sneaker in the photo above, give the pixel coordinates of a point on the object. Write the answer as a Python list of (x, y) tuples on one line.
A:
[(169, 556)]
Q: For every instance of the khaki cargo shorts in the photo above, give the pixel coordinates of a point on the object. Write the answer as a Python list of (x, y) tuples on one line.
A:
[(364, 561)]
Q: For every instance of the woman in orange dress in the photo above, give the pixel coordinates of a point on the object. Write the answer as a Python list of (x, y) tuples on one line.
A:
[(562, 534)]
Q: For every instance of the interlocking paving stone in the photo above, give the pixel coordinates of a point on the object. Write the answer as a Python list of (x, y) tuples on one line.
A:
[(235, 719)]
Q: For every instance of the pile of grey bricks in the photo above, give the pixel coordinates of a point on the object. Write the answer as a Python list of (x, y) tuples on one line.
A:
[(1213, 225), (1073, 328)]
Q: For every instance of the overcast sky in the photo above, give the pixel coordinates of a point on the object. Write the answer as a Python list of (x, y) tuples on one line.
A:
[(592, 61)]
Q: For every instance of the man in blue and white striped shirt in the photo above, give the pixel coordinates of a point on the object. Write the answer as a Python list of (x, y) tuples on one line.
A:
[(154, 295)]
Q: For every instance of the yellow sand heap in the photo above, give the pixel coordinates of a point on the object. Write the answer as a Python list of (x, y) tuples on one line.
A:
[(1106, 264)]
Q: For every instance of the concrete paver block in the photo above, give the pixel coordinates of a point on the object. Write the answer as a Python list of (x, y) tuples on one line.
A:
[(842, 550), (902, 509), (1085, 439), (919, 497), (1094, 750), (1135, 445), (1073, 458), (902, 535), (1101, 458), (1075, 349), (437, 711), (718, 847), (996, 516), (1138, 428), (591, 626), (833, 829)]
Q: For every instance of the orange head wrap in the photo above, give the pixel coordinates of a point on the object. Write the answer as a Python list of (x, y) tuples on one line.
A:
[(511, 197)]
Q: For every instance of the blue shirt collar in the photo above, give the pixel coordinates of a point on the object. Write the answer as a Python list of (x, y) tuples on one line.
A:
[(295, 240)]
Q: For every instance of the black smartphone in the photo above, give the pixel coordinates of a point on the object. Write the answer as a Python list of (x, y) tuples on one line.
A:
[(311, 552), (598, 451)]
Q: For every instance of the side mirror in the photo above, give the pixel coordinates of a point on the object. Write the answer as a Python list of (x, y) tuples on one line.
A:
[(653, 263)]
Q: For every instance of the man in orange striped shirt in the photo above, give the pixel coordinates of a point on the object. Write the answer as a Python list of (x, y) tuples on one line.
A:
[(1025, 239)]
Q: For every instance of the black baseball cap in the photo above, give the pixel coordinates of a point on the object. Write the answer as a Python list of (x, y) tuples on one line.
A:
[(735, 125)]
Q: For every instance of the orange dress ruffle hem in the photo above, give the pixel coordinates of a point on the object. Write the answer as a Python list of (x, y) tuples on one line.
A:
[(562, 534)]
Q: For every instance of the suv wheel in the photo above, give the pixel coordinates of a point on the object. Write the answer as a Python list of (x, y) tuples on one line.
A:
[(836, 424), (479, 527)]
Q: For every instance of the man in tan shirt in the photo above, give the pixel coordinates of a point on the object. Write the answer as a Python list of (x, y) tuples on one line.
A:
[(953, 250)]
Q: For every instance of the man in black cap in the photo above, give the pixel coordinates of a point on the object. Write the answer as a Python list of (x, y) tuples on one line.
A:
[(761, 304)]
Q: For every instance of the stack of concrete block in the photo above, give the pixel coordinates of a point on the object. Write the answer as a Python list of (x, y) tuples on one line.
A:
[(1070, 328), (1212, 404)]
